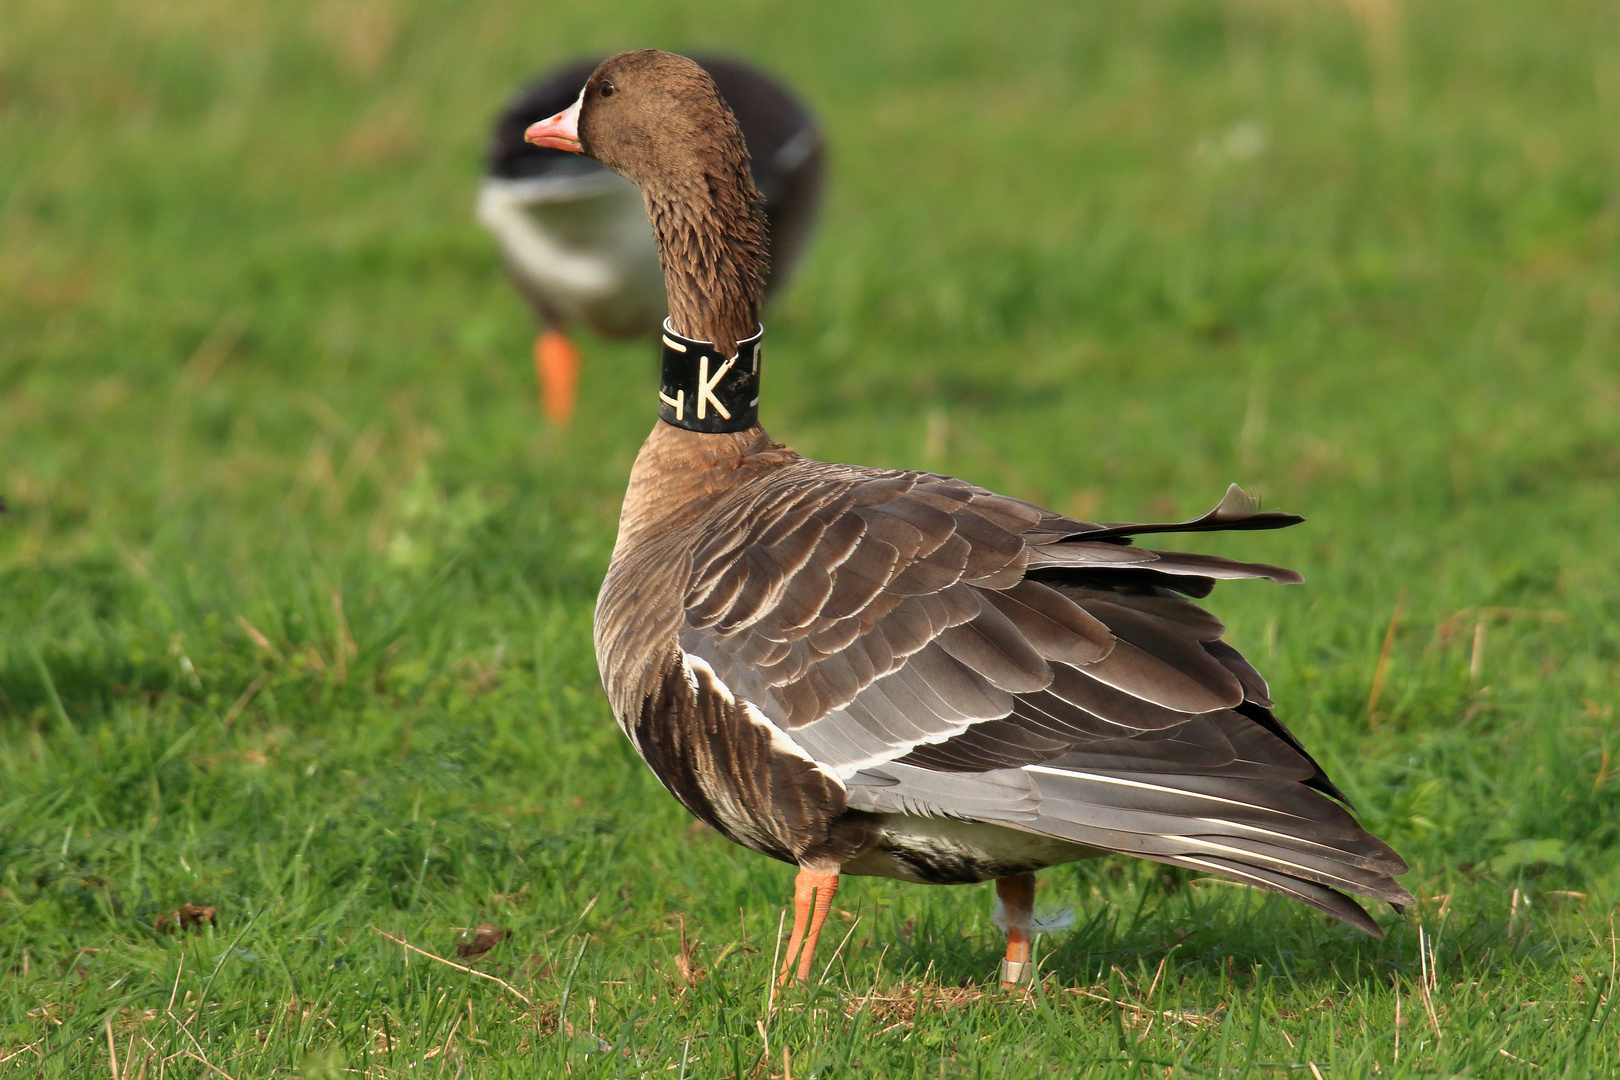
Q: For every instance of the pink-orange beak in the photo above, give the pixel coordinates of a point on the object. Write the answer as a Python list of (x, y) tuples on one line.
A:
[(560, 132)]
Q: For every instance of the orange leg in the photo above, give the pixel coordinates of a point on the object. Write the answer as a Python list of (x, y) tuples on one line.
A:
[(556, 361), (1015, 913), (812, 899)]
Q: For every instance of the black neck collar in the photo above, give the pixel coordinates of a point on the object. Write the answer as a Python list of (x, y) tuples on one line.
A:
[(701, 392)]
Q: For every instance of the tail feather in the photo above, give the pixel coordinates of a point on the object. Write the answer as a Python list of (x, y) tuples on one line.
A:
[(1237, 510), (1321, 897), (1280, 836)]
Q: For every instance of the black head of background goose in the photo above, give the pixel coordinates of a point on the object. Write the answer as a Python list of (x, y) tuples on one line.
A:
[(901, 674), (574, 235)]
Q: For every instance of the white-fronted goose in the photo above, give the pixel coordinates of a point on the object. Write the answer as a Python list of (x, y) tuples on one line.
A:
[(575, 238), (870, 671)]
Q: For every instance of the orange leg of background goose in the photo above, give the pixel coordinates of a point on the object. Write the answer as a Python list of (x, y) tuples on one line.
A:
[(1017, 896), (812, 899), (556, 361)]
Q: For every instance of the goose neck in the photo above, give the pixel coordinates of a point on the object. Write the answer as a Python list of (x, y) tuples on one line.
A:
[(712, 245)]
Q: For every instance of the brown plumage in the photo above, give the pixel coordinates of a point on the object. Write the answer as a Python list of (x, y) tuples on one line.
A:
[(663, 125), (897, 673), (575, 237)]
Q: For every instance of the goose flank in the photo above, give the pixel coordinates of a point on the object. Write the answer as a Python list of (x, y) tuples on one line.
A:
[(901, 674)]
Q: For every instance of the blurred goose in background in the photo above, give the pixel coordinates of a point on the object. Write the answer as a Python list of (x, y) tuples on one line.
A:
[(575, 235), (901, 674)]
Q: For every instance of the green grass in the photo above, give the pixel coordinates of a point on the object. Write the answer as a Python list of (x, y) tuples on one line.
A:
[(258, 368)]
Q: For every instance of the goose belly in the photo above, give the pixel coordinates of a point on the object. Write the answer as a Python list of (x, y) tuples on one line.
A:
[(947, 851), (582, 246)]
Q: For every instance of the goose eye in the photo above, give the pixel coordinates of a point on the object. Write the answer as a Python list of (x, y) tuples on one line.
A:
[(606, 89)]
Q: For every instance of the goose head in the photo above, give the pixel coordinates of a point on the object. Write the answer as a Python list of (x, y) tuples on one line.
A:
[(651, 117), (658, 120)]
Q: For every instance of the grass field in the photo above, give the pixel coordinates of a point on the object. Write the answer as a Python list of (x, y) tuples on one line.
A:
[(295, 586)]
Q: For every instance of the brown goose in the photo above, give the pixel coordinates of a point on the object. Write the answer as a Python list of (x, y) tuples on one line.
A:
[(574, 235), (870, 671)]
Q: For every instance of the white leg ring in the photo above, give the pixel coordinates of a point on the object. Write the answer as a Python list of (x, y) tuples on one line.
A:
[(1016, 972)]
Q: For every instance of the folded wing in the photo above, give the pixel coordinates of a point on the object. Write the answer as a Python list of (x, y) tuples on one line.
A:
[(948, 651)]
